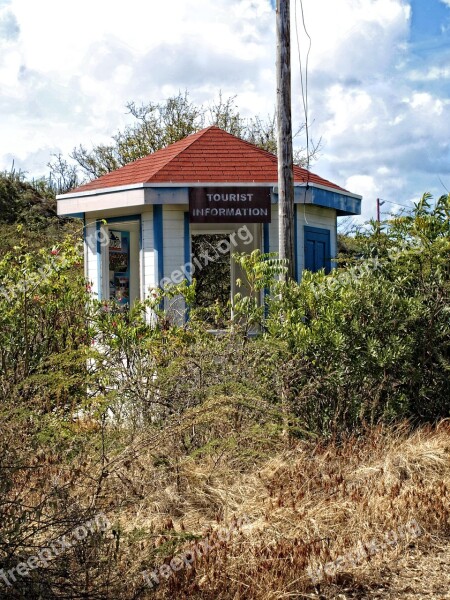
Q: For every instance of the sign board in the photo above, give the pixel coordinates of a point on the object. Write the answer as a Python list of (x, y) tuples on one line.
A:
[(115, 240), (229, 205)]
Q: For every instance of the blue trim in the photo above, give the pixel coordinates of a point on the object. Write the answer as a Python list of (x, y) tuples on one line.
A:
[(187, 244), (141, 264), (187, 255), (98, 225), (344, 205), (266, 243), (317, 235), (167, 195), (266, 250), (124, 219), (158, 240), (296, 243), (84, 250), (74, 216), (318, 230)]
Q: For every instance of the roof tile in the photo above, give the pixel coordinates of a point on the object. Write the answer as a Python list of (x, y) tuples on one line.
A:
[(208, 156)]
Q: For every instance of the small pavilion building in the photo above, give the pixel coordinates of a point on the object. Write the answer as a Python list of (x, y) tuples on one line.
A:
[(140, 219)]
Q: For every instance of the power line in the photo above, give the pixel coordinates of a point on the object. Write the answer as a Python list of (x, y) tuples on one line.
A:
[(443, 185), (304, 80), (304, 88), (396, 203)]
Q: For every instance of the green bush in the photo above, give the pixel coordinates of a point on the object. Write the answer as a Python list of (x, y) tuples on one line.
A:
[(43, 326), (371, 341)]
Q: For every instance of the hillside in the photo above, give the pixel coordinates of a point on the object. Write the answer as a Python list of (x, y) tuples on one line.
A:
[(31, 205)]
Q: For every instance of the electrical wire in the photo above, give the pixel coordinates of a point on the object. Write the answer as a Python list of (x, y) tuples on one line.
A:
[(443, 185), (304, 90), (303, 80), (396, 203), (305, 95)]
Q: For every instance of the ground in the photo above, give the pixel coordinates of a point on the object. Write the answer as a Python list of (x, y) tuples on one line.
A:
[(420, 572)]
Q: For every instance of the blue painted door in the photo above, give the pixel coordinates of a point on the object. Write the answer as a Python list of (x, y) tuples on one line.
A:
[(317, 249)]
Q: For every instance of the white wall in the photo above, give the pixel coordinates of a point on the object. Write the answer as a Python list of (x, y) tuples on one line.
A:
[(173, 250), (149, 267), (91, 258), (305, 214), (173, 242), (173, 238), (174, 259)]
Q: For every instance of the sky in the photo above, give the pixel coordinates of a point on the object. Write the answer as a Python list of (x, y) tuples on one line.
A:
[(378, 79)]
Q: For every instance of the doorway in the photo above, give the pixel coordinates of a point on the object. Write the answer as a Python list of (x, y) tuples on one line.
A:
[(215, 270), (211, 257)]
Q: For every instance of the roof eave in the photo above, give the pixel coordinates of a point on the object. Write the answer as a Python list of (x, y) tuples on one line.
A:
[(170, 184)]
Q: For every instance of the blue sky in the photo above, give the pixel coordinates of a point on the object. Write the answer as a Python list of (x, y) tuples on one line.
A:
[(430, 20), (379, 79), (429, 37)]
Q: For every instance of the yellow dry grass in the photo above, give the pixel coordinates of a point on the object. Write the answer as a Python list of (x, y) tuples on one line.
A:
[(306, 504)]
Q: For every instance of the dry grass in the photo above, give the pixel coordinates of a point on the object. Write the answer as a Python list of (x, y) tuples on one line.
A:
[(306, 503)]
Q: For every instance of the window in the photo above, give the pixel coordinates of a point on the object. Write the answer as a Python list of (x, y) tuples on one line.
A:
[(119, 266)]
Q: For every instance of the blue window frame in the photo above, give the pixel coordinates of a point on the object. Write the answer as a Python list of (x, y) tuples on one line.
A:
[(317, 249)]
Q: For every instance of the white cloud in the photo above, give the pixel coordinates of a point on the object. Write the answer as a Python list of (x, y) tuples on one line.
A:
[(393, 143), (67, 70), (356, 38), (381, 135), (80, 65), (430, 74)]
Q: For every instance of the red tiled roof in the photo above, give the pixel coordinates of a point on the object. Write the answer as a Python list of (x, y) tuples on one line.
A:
[(208, 156)]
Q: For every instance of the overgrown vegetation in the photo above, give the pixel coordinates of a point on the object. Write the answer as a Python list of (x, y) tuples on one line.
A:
[(31, 205), (213, 284), (171, 431), (324, 431)]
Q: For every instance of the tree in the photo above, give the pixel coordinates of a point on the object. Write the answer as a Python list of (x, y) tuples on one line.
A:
[(63, 176), (156, 125), (28, 212), (22, 201)]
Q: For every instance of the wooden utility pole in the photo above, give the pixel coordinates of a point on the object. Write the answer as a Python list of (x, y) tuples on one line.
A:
[(284, 138), (379, 203)]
